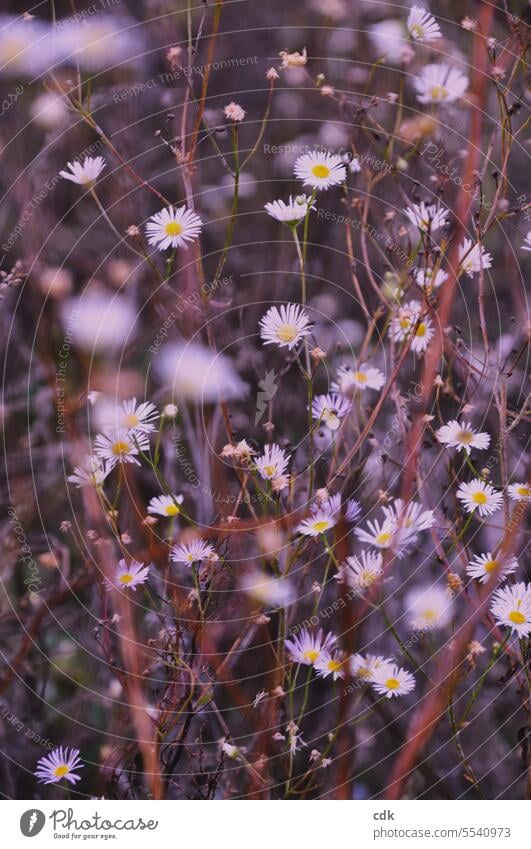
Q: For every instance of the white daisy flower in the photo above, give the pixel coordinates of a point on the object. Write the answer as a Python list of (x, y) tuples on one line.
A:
[(422, 25), (473, 259), (364, 377), (462, 436), (91, 472), (286, 326), (426, 279), (429, 607), (272, 463), (392, 681), (365, 667), (320, 170), (330, 409), (173, 228), (128, 576), (58, 764), (120, 446), (407, 321), (480, 496), (378, 535), (408, 520), (511, 607), (318, 523), (520, 492), (330, 664), (439, 83), (289, 213), (196, 373), (307, 648), (527, 242), (84, 173), (361, 572), (487, 566), (193, 552), (427, 217), (130, 416), (352, 510), (165, 505)]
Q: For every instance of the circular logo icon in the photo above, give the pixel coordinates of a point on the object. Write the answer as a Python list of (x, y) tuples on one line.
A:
[(32, 822)]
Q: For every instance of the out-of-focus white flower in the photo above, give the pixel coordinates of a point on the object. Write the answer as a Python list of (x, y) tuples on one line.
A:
[(462, 436), (320, 170), (49, 110), (58, 764), (289, 213), (364, 667), (361, 572), (389, 38), (100, 43), (272, 463), (286, 326), (422, 25), (480, 496), (275, 592), (193, 552), (511, 607), (473, 258), (99, 321), (27, 47), (364, 377), (84, 173), (427, 279), (406, 322), (91, 472), (427, 217), (120, 446), (330, 409), (128, 576), (173, 228), (234, 112), (429, 607), (440, 83), (230, 750), (293, 60), (165, 505), (195, 373), (486, 567), (520, 492), (307, 648), (392, 681)]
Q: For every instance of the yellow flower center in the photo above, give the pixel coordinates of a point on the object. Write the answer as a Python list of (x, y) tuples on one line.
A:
[(334, 665), (404, 323), (491, 566), (383, 538), (120, 448), (479, 497), (126, 578), (421, 330), (523, 490), (430, 615), (367, 578), (311, 655), (465, 436), (171, 510), (417, 31), (61, 771), (438, 92), (173, 228), (360, 376), (131, 420), (321, 526), (287, 332), (392, 683), (269, 471), (321, 171), (517, 617)]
